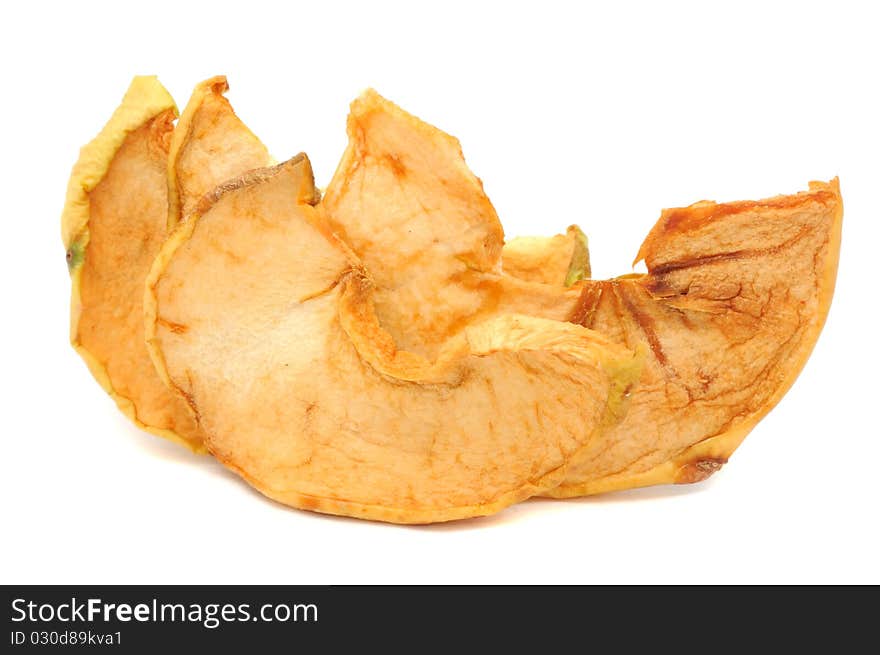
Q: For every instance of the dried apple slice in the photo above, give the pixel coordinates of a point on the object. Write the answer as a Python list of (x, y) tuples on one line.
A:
[(731, 307), (405, 201), (112, 226), (560, 259), (264, 321), (115, 221), (210, 145)]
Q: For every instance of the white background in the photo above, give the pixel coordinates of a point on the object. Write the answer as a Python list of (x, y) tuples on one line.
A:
[(596, 113)]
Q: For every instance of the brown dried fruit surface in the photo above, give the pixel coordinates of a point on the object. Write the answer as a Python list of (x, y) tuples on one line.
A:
[(733, 302), (264, 320)]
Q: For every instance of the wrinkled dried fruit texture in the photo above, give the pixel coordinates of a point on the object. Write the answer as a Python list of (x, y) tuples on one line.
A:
[(265, 321), (561, 259), (404, 200), (731, 307), (126, 226), (210, 145), (729, 311), (407, 204), (119, 207)]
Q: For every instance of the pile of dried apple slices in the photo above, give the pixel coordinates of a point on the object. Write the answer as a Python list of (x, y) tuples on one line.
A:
[(381, 352)]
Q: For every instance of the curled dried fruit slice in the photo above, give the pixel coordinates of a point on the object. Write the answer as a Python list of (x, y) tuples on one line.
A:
[(560, 259), (114, 223), (112, 226), (732, 304), (404, 199), (210, 145), (265, 322), (407, 204)]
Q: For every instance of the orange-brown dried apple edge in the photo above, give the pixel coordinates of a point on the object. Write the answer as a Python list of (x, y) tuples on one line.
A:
[(264, 321)]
